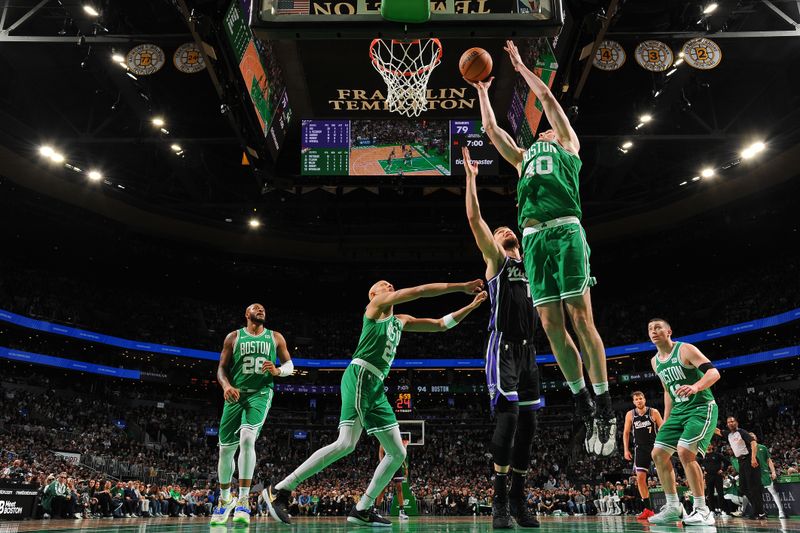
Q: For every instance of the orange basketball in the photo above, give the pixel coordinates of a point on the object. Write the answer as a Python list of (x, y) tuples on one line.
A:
[(475, 64)]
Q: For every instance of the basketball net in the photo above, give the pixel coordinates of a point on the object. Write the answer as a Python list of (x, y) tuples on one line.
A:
[(406, 67)]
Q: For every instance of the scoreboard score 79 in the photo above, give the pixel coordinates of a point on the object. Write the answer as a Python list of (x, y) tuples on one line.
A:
[(470, 133)]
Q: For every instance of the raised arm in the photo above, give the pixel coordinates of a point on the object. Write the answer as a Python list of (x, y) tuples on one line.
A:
[(435, 325), (626, 436), (388, 299), (492, 254), (287, 367), (230, 393), (552, 109), (501, 139)]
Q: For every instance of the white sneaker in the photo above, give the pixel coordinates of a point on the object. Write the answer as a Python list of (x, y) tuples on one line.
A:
[(219, 517), (782, 516), (403, 515), (737, 514), (668, 514), (701, 516)]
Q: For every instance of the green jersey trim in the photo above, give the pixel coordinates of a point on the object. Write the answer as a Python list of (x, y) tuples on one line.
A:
[(381, 320), (264, 332)]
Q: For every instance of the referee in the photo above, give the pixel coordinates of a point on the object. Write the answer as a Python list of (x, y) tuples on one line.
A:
[(745, 449)]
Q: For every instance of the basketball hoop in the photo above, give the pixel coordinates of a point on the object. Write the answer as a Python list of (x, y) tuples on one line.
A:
[(406, 67)]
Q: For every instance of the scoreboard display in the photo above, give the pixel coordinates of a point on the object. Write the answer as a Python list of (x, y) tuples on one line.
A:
[(325, 148), (404, 148), (402, 403), (470, 133)]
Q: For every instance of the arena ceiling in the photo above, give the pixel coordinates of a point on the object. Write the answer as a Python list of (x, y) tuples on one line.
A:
[(61, 88)]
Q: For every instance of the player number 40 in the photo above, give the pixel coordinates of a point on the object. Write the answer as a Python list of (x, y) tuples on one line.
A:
[(252, 365), (542, 165)]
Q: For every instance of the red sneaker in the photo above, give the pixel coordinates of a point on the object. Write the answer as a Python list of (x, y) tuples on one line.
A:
[(647, 513)]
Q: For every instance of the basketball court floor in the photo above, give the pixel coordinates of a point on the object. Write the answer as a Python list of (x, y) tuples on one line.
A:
[(414, 525)]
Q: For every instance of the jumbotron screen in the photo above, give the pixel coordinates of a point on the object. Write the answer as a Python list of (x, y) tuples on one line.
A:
[(394, 147)]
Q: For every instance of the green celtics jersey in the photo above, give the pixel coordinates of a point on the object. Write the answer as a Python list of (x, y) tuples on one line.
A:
[(762, 456), (249, 354), (548, 186), (673, 374), (378, 343)]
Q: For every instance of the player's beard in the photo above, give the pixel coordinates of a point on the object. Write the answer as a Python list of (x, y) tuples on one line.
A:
[(255, 320), (510, 243)]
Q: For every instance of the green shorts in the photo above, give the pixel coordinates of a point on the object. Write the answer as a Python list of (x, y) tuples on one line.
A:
[(556, 258), (363, 399), (691, 429), (249, 412)]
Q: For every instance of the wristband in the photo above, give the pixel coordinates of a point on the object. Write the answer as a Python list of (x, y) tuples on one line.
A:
[(286, 369), (449, 321)]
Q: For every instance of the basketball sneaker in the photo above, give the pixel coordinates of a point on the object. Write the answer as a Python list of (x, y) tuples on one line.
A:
[(603, 441), (701, 516), (644, 515), (523, 516), (402, 515), (278, 503), (584, 414), (241, 515), (219, 517), (501, 517), (367, 517), (669, 514)]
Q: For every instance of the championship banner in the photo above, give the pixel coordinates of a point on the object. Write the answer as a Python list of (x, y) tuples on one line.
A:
[(145, 59), (188, 59), (702, 53), (17, 500), (609, 56)]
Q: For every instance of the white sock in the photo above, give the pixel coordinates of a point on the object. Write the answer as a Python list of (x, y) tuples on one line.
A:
[(600, 388), (225, 494), (577, 385), (699, 502), (364, 503), (672, 499), (244, 493)]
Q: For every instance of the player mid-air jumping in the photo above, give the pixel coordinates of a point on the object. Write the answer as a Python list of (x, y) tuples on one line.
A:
[(364, 402), (556, 252), (247, 368)]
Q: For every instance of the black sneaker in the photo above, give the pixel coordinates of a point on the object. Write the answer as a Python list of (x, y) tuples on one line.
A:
[(762, 516), (278, 503), (521, 513), (501, 518), (367, 517), (584, 413)]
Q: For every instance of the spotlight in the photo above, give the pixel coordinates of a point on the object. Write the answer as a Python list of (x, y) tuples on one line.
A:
[(752, 150), (680, 54), (46, 151), (131, 76), (165, 131), (176, 148), (158, 122), (683, 183), (639, 125), (55, 157), (117, 58), (707, 172), (678, 62), (627, 144), (644, 119), (92, 12), (671, 72), (254, 223), (94, 175), (695, 178), (710, 8), (123, 64)]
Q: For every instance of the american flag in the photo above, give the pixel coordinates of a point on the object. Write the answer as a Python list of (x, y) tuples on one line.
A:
[(294, 7)]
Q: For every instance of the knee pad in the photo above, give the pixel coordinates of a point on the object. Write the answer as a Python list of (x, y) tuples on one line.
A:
[(247, 438), (526, 429), (506, 414)]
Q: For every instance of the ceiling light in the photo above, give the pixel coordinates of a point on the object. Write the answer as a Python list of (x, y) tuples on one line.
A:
[(176, 147), (123, 64), (158, 122), (680, 54), (639, 125), (683, 183), (254, 223), (710, 8), (131, 76), (695, 178), (46, 151), (707, 172), (671, 72), (644, 119), (118, 58), (165, 131), (752, 150), (627, 144), (55, 157), (95, 175), (91, 11), (678, 62)]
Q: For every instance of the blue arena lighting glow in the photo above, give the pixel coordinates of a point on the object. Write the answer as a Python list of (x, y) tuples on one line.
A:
[(80, 366), (100, 338)]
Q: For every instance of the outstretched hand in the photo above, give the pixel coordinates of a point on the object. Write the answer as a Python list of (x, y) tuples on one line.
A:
[(470, 166), (473, 287), (513, 55), (481, 85), (479, 299)]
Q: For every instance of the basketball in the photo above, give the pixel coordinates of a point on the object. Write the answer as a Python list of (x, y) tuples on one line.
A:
[(475, 64)]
